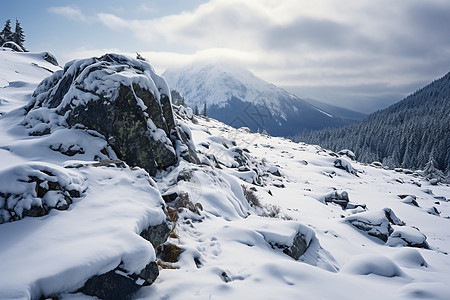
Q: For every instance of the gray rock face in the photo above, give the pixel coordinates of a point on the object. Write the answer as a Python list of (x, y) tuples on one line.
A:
[(122, 99), (118, 285), (298, 247), (378, 224), (157, 234)]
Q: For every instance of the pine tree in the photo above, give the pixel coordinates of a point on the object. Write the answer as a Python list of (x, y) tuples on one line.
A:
[(196, 110), (6, 33), (430, 171), (18, 35), (204, 110)]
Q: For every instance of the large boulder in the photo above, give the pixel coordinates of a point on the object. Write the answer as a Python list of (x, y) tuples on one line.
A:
[(377, 224), (119, 284), (122, 99)]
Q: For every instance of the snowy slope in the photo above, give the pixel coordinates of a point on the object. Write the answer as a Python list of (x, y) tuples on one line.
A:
[(20, 73), (230, 247), (237, 261), (236, 96), (110, 203)]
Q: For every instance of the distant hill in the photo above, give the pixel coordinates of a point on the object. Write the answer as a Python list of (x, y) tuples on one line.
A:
[(237, 97), (339, 112), (407, 134)]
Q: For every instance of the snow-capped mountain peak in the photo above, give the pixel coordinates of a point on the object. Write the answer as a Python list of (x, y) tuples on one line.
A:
[(231, 92), (216, 83)]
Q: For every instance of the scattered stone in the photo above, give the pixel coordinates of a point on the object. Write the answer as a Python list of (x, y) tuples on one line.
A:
[(33, 189), (407, 236), (341, 199), (434, 211), (169, 252), (343, 163), (410, 199), (377, 224), (117, 284), (348, 153)]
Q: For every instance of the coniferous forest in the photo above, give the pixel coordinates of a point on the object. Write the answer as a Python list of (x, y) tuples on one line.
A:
[(408, 134), (13, 38)]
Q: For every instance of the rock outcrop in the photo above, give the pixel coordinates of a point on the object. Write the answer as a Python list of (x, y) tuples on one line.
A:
[(119, 284), (120, 98), (33, 189), (377, 224)]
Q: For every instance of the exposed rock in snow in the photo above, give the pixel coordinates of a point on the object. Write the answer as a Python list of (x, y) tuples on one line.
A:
[(284, 243), (117, 284), (120, 98), (407, 236), (34, 189), (295, 245), (409, 199), (348, 153), (377, 224), (343, 163)]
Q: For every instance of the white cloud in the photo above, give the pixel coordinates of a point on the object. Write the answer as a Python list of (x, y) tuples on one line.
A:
[(306, 44), (71, 12)]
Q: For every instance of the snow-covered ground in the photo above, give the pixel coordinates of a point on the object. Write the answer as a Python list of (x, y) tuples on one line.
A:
[(230, 249), (344, 262), (20, 73)]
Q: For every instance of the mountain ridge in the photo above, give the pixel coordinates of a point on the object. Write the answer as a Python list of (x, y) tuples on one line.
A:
[(237, 97)]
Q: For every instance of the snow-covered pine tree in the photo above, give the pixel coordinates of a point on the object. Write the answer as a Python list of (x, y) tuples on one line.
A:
[(204, 110), (431, 172), (18, 36), (6, 33), (196, 110)]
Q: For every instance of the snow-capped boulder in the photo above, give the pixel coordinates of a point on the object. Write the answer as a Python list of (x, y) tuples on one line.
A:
[(33, 189), (348, 153), (409, 199), (343, 163), (410, 258), (118, 284), (377, 224), (122, 99), (293, 239), (407, 236), (341, 199), (365, 264)]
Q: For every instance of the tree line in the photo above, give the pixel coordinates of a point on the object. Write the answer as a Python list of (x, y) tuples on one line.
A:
[(13, 39), (408, 134)]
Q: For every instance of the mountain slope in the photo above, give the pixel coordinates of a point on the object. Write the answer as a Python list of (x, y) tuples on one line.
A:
[(337, 111), (260, 217), (237, 97), (408, 134), (20, 72)]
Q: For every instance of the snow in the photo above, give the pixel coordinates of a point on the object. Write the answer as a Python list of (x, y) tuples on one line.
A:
[(217, 83), (343, 263), (229, 247), (366, 264), (60, 251), (20, 73)]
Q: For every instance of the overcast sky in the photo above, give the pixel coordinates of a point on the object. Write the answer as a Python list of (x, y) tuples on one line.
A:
[(361, 54)]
